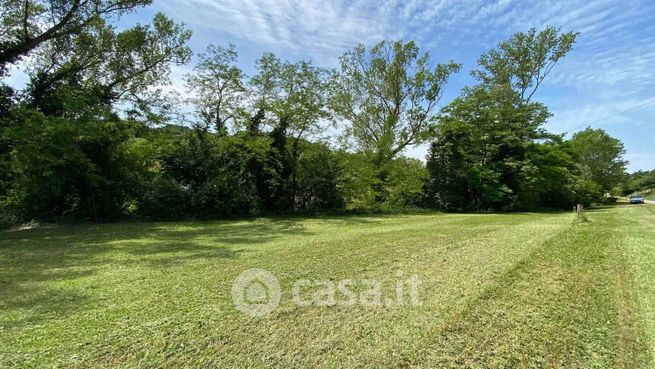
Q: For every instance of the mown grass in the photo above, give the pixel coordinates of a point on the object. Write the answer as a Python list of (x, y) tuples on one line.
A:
[(518, 290)]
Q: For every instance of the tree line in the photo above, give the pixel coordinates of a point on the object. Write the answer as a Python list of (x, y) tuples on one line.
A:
[(96, 133), (640, 182)]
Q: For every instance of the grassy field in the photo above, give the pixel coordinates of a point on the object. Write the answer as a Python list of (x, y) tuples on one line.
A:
[(517, 290)]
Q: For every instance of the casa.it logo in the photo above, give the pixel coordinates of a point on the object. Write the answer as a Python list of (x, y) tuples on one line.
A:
[(256, 292)]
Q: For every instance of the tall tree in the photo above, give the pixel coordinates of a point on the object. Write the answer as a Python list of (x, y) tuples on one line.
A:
[(294, 97), (218, 86), (27, 24), (66, 138), (389, 94), (481, 158)]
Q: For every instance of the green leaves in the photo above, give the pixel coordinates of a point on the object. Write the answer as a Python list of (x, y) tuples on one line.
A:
[(599, 156), (27, 25), (217, 87), (522, 62), (487, 153), (388, 95), (295, 93), (100, 67)]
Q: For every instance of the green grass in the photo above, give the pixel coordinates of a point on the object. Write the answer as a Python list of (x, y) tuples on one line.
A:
[(518, 290)]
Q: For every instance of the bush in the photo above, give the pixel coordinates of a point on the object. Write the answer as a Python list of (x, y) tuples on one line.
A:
[(320, 180), (203, 175), (405, 183), (164, 199), (7, 220)]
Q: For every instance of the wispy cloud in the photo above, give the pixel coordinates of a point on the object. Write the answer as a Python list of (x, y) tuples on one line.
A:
[(613, 31), (608, 112), (318, 29)]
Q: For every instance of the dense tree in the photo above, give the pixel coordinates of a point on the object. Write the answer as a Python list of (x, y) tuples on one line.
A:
[(91, 137), (75, 168), (405, 183), (600, 157), (320, 179), (554, 180), (101, 67), (360, 177), (521, 63), (482, 156), (64, 142), (6, 102), (206, 175), (294, 97), (639, 181)]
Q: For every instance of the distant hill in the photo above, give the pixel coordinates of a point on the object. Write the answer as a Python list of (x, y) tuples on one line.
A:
[(642, 182)]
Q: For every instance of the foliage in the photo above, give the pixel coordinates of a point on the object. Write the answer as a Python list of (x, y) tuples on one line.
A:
[(639, 181), (405, 183), (26, 25), (491, 151), (70, 167), (218, 86), (481, 154), (556, 181), (388, 95), (95, 136), (293, 99), (101, 68), (320, 179), (359, 175), (521, 63), (600, 157), (203, 175)]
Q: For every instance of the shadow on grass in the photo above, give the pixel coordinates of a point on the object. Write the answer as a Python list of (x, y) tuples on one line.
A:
[(28, 306), (45, 271)]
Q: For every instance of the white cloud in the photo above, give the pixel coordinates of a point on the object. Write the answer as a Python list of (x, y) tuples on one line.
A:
[(322, 30), (313, 28), (607, 112)]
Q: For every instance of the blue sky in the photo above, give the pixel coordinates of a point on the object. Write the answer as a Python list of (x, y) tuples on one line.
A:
[(610, 70)]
